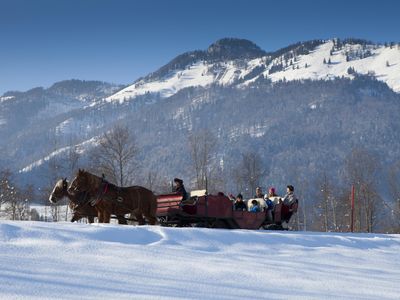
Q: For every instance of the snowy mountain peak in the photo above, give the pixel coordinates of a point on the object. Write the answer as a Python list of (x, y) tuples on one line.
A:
[(240, 62)]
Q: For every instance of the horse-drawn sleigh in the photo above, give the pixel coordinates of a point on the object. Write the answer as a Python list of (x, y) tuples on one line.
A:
[(92, 195)]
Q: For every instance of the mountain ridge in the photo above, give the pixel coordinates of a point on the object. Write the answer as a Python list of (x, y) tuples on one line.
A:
[(314, 59)]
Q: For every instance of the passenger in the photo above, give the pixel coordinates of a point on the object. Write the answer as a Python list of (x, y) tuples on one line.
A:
[(255, 207), (272, 196), (289, 198), (271, 192), (239, 203), (259, 193), (180, 188), (271, 199), (288, 205)]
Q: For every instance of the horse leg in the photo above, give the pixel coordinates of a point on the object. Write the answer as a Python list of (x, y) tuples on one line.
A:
[(122, 220), (90, 219), (152, 219), (75, 217), (139, 216), (100, 216), (106, 216)]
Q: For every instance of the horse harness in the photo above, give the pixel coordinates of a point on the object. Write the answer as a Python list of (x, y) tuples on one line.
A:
[(103, 190)]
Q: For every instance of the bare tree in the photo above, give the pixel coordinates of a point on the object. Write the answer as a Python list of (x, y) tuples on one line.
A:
[(394, 187), (115, 156), (250, 172), (323, 202), (156, 182), (25, 197), (15, 204), (343, 210), (302, 219), (202, 149), (332, 205), (362, 168), (6, 187), (72, 160)]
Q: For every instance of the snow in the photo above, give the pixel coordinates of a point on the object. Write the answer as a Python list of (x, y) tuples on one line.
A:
[(98, 261), (195, 75), (204, 73), (5, 98), (376, 63)]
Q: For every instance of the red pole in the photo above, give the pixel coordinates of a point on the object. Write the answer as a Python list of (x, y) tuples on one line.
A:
[(352, 208)]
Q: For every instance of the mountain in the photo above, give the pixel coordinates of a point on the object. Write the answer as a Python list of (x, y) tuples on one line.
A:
[(239, 62), (301, 109), (29, 120)]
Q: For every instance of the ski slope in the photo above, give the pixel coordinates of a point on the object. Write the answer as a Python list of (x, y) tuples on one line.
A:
[(80, 261)]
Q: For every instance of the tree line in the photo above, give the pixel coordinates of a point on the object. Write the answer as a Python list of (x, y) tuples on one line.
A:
[(325, 203)]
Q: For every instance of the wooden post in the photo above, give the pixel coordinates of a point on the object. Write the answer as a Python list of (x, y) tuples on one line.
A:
[(352, 208)]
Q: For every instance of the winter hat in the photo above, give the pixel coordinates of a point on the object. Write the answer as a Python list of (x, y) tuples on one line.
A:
[(290, 187), (177, 180), (272, 190), (239, 196)]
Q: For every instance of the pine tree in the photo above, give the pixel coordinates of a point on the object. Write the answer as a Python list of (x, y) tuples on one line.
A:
[(387, 64), (329, 61), (324, 61), (351, 70)]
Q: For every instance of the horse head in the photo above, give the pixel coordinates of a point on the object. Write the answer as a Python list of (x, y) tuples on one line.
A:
[(59, 191), (84, 182)]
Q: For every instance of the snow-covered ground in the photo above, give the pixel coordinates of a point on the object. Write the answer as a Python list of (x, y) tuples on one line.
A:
[(80, 261)]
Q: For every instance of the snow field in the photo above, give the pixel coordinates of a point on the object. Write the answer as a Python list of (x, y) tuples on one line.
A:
[(69, 261)]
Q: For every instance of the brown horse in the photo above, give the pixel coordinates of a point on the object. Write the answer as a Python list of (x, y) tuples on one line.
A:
[(79, 210), (111, 199)]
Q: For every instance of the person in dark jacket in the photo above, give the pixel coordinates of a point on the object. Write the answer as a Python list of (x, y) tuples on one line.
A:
[(289, 198), (289, 204), (180, 188), (239, 203)]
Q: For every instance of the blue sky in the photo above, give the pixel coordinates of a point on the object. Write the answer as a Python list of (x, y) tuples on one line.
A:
[(45, 41)]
